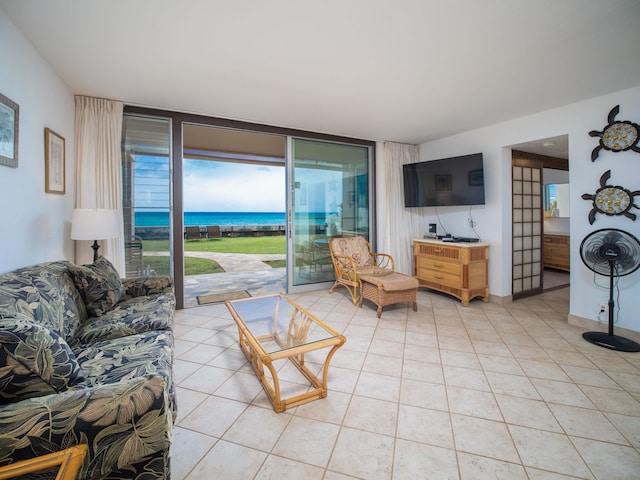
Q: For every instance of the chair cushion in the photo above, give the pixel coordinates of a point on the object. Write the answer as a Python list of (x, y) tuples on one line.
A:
[(34, 361), (99, 284), (393, 282), (356, 248), (374, 271)]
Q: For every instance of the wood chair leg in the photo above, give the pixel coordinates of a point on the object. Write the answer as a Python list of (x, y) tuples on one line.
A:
[(69, 462)]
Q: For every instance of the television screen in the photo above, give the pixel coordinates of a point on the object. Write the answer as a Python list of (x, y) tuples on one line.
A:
[(448, 181)]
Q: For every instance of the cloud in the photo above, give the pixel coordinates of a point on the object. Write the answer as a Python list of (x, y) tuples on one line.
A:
[(232, 187)]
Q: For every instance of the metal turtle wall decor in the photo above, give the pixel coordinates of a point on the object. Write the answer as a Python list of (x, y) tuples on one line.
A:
[(617, 136), (611, 200)]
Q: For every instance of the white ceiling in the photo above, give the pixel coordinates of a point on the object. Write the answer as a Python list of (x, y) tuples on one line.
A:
[(551, 147), (400, 70)]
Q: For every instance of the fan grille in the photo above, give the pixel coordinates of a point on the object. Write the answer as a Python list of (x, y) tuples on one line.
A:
[(610, 248)]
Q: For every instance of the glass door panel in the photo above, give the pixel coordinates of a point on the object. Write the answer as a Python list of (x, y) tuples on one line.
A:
[(146, 191), (328, 196)]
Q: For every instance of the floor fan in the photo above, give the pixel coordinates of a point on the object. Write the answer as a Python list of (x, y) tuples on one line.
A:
[(614, 253)]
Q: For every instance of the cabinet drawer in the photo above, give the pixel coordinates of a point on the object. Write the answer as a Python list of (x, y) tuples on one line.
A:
[(556, 259), (439, 265), (556, 249), (556, 240), (449, 279), (436, 251)]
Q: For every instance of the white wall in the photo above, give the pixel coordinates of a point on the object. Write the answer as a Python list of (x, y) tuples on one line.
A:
[(494, 219), (584, 178), (557, 225), (35, 225)]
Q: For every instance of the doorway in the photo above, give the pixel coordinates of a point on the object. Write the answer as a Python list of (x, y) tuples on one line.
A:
[(551, 240), (234, 202), (181, 137)]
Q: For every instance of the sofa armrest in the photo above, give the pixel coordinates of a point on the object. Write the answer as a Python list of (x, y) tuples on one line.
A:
[(121, 423), (143, 286)]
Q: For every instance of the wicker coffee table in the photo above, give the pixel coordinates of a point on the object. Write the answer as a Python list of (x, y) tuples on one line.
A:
[(388, 289), (273, 327)]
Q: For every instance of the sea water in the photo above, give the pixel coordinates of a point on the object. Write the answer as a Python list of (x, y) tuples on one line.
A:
[(161, 219)]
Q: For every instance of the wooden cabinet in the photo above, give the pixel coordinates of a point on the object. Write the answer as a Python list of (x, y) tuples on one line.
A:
[(459, 269), (556, 251)]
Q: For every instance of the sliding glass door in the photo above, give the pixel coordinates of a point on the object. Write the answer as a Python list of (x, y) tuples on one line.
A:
[(329, 182), (328, 195), (146, 188)]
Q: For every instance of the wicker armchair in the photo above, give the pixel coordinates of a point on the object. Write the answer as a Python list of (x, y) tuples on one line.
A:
[(352, 257)]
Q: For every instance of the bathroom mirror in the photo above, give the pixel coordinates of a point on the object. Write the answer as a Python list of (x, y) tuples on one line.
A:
[(556, 193)]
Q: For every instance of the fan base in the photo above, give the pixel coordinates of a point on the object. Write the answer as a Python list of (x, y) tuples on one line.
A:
[(612, 342)]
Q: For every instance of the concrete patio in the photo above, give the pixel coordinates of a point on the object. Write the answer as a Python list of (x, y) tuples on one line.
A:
[(241, 272)]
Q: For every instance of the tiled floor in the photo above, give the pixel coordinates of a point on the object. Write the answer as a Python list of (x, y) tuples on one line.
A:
[(481, 392), (554, 279)]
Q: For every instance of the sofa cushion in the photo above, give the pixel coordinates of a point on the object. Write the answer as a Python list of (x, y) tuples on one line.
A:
[(99, 284), (45, 293), (34, 361), (143, 286), (130, 316), (122, 359)]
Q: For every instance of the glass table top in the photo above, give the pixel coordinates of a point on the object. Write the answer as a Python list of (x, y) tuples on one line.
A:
[(277, 323)]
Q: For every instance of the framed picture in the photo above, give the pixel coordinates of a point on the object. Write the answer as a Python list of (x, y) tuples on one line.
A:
[(476, 177), (443, 182), (9, 116), (54, 174)]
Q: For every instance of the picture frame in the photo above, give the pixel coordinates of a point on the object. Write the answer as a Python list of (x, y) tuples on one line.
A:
[(476, 177), (443, 182), (9, 122), (54, 162)]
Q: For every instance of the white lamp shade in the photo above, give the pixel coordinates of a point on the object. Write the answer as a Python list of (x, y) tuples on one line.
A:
[(95, 224)]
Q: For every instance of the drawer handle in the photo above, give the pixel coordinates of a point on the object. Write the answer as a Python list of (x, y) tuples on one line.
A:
[(437, 265), (438, 276)]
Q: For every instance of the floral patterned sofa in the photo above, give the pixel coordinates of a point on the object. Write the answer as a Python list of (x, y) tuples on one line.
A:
[(86, 358)]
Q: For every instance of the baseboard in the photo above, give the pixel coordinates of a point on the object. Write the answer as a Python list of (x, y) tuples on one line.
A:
[(500, 300), (595, 326)]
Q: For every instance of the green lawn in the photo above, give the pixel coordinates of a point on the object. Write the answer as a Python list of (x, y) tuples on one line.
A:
[(272, 244), (200, 266), (192, 266)]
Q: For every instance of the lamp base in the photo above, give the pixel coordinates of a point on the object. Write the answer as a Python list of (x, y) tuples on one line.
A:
[(95, 247)]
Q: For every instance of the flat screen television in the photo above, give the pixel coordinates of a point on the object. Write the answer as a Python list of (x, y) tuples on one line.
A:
[(448, 181)]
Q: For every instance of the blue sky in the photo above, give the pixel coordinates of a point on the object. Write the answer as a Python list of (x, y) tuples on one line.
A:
[(212, 186), (232, 187)]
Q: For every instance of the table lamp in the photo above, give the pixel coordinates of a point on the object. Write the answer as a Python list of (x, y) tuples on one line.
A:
[(95, 224)]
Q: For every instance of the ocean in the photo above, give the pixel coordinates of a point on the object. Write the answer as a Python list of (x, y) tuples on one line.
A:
[(161, 219)]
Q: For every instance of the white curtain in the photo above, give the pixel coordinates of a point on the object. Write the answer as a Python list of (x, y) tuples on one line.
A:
[(98, 167), (399, 225)]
